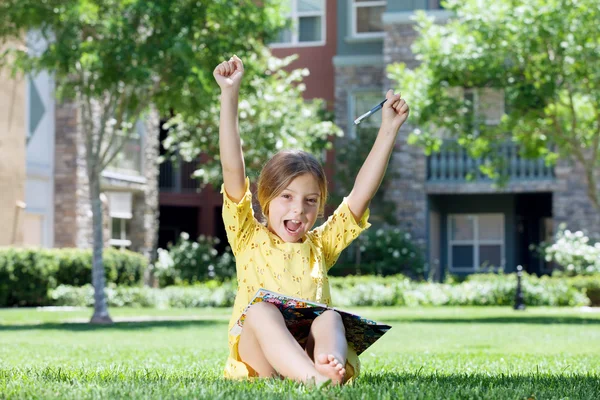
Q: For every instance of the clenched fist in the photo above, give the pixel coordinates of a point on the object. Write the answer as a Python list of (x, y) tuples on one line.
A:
[(228, 74)]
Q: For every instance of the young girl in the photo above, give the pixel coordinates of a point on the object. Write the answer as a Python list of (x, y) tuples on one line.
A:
[(285, 255)]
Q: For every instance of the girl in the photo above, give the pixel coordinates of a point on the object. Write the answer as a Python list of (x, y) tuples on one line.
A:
[(285, 255)]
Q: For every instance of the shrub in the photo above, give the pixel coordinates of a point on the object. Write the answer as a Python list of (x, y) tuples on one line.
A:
[(573, 252), (382, 252), (200, 295), (189, 262), (482, 290), (122, 267), (26, 275)]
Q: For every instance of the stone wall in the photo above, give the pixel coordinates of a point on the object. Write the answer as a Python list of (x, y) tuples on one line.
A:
[(409, 162), (349, 79), (72, 209), (570, 201)]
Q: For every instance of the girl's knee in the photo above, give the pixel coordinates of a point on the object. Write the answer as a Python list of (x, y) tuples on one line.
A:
[(330, 317), (261, 310)]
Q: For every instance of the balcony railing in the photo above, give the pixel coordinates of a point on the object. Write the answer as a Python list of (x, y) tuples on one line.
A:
[(176, 177), (452, 164)]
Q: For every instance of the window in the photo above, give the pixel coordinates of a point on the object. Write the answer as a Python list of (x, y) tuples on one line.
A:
[(366, 18), (475, 241), (360, 103), (119, 232), (306, 25), (119, 209)]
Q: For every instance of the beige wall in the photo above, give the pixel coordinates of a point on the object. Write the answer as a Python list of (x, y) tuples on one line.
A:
[(12, 157)]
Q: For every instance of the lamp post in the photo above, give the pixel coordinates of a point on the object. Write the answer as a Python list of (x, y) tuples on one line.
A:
[(519, 300)]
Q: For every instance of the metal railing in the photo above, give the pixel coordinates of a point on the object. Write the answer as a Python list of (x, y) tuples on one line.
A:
[(452, 164), (176, 177)]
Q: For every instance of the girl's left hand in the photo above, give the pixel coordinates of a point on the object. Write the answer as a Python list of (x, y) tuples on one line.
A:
[(395, 111)]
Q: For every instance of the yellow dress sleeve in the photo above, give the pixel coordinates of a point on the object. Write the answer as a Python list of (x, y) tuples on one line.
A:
[(239, 220), (339, 231)]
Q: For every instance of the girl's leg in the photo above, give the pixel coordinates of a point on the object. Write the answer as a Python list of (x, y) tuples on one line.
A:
[(268, 346), (328, 347)]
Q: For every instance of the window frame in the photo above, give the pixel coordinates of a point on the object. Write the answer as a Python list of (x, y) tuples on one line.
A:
[(354, 16), (121, 242), (352, 130), (476, 242), (295, 17)]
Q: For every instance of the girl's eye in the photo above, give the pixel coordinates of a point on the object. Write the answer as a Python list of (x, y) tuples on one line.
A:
[(312, 201), (286, 196)]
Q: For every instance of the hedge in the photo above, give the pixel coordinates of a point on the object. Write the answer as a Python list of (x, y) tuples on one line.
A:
[(26, 275)]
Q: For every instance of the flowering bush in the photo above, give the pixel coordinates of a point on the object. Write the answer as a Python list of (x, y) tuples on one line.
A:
[(573, 252), (188, 262), (383, 252)]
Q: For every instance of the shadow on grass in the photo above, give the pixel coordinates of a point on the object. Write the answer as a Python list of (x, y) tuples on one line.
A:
[(117, 326), (535, 320)]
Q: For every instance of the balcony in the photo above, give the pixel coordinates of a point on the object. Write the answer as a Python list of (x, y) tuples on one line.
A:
[(452, 164), (176, 177)]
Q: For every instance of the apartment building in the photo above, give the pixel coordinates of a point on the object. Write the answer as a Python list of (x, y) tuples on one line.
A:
[(464, 225)]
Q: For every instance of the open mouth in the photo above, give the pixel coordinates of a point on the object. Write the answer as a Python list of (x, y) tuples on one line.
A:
[(293, 226)]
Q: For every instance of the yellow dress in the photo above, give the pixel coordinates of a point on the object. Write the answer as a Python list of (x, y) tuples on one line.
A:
[(263, 260)]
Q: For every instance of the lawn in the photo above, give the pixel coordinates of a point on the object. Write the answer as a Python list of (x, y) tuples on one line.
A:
[(431, 353)]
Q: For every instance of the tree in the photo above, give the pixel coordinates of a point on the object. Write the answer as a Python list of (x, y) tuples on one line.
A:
[(543, 54), (272, 116), (116, 58)]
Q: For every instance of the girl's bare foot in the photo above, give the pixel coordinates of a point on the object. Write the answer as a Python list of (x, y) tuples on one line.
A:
[(331, 367)]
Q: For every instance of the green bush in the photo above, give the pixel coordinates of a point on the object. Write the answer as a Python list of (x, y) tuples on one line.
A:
[(382, 252), (26, 275), (484, 290), (189, 262), (590, 285), (573, 252), (200, 295), (122, 267)]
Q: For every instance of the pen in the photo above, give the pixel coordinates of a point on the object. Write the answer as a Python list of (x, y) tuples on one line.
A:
[(370, 112)]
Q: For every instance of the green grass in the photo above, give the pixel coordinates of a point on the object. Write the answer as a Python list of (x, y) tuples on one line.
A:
[(431, 353)]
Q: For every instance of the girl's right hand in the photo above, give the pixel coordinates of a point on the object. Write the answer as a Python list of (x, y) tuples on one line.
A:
[(229, 74)]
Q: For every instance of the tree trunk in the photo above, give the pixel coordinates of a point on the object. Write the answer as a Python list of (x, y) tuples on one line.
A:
[(101, 315)]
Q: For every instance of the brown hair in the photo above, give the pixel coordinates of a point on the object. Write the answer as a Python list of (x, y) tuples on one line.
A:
[(283, 168)]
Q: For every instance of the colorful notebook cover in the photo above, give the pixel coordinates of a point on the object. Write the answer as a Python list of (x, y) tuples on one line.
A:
[(299, 314)]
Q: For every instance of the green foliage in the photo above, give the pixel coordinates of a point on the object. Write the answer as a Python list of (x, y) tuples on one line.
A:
[(200, 295), (478, 290), (573, 253), (26, 275), (272, 116), (189, 262), (122, 267), (382, 252), (141, 51), (541, 55)]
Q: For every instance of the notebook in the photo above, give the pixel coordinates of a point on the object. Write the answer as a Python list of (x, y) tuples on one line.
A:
[(299, 315)]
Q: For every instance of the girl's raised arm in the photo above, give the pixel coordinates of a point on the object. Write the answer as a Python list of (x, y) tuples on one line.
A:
[(393, 115), (229, 75)]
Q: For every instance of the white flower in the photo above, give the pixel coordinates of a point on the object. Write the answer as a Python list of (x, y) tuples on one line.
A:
[(184, 235)]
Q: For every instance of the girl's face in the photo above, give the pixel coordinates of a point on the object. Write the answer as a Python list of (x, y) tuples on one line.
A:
[(294, 211)]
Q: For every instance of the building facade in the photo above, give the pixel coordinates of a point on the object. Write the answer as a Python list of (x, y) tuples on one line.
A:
[(463, 225)]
